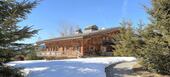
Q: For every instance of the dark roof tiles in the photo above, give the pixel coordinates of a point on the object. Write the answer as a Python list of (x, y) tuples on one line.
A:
[(81, 35)]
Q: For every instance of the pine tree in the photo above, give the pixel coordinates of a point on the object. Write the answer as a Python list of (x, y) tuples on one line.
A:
[(156, 51), (11, 13), (127, 41), (122, 40), (151, 44)]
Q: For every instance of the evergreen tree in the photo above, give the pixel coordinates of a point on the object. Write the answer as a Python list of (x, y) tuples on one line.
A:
[(11, 13), (156, 51), (151, 44), (127, 41), (123, 40)]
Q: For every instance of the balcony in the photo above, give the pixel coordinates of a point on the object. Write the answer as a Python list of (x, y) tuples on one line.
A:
[(49, 53), (107, 42), (58, 54)]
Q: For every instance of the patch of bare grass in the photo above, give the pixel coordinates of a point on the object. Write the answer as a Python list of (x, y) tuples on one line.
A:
[(140, 72)]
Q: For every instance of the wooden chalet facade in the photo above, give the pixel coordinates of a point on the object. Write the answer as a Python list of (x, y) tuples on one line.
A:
[(91, 42)]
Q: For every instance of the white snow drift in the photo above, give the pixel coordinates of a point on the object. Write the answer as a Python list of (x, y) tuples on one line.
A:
[(82, 67)]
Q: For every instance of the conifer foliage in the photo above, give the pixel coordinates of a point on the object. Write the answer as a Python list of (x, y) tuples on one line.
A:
[(156, 51), (151, 44), (11, 13), (122, 40)]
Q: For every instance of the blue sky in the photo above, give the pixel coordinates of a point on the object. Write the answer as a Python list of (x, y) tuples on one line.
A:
[(49, 15)]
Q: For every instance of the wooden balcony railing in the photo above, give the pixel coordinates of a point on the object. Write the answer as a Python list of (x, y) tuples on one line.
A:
[(58, 54), (49, 53)]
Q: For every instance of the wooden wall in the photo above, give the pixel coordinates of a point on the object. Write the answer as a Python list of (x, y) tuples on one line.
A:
[(95, 42), (89, 45), (66, 47)]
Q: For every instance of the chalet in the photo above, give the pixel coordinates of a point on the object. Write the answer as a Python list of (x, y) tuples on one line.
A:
[(90, 42)]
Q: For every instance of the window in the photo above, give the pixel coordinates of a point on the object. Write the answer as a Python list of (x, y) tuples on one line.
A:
[(92, 48)]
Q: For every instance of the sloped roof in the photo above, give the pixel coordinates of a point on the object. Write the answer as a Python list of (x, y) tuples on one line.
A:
[(76, 36)]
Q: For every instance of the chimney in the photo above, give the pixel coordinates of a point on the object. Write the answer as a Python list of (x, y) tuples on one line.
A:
[(90, 28), (78, 31)]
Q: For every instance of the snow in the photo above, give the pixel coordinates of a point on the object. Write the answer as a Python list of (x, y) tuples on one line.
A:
[(82, 67)]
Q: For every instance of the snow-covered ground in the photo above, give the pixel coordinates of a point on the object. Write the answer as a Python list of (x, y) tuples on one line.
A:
[(82, 67)]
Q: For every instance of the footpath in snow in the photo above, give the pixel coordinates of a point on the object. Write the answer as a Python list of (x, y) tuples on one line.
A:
[(82, 67)]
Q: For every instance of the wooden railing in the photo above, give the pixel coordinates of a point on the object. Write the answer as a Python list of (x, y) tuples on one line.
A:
[(49, 53), (58, 54)]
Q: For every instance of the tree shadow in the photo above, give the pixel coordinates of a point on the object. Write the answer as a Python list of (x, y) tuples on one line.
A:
[(64, 69)]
